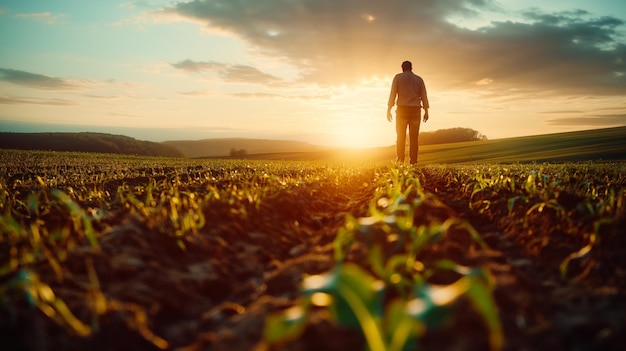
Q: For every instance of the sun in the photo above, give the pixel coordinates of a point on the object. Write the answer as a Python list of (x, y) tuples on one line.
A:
[(358, 134)]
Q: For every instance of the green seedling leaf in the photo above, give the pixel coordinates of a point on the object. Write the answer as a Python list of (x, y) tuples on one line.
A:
[(285, 326), (511, 203), (40, 294), (428, 314), (351, 279), (76, 211), (432, 304), (375, 259), (583, 252), (344, 239), (368, 321), (482, 300), (357, 300), (401, 330)]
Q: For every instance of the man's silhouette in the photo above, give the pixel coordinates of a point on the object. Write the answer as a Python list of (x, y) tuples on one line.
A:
[(410, 91)]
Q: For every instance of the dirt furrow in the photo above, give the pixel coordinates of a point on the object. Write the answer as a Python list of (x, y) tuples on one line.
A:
[(540, 309)]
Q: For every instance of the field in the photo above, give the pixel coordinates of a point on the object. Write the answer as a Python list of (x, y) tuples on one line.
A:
[(104, 252), (588, 145)]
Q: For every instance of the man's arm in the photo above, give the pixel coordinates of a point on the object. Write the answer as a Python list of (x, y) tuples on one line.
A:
[(392, 97), (424, 98)]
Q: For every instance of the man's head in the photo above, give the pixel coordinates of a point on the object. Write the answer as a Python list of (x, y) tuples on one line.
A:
[(407, 66)]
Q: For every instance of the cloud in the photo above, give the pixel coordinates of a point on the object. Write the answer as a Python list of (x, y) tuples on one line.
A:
[(343, 42), (246, 95), (46, 17), (125, 115), (233, 73), (11, 100), (561, 53), (484, 81), (562, 112), (258, 95), (103, 97), (195, 93), (34, 80)]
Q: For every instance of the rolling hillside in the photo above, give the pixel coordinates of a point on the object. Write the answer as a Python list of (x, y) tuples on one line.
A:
[(86, 142), (590, 145)]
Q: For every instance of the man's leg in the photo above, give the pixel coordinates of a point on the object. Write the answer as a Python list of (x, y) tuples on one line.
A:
[(414, 131), (401, 125)]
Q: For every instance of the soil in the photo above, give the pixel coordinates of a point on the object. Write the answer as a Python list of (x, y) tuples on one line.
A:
[(216, 293)]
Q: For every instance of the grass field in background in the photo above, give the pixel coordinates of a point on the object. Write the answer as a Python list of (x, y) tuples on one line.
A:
[(590, 145)]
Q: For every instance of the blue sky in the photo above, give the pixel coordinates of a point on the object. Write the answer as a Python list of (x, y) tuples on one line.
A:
[(312, 70)]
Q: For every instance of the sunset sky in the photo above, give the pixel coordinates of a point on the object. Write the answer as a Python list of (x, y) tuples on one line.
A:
[(317, 71)]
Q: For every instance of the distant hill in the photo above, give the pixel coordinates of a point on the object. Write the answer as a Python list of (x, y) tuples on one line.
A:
[(608, 144), (86, 142), (222, 147)]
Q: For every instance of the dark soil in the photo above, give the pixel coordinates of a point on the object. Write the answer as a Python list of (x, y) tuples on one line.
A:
[(216, 293)]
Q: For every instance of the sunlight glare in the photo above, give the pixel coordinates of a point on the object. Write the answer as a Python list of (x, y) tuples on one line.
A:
[(352, 133)]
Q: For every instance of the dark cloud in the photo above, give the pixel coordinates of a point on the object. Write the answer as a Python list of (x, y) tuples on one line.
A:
[(562, 112), (343, 42), (228, 72), (193, 66), (591, 121), (34, 80), (559, 53)]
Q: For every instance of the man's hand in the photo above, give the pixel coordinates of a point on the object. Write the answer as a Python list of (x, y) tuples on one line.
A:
[(389, 117), (426, 116)]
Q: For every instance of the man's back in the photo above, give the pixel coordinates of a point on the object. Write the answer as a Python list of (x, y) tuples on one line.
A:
[(410, 89)]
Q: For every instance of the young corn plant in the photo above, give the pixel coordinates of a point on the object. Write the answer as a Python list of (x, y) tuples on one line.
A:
[(390, 301)]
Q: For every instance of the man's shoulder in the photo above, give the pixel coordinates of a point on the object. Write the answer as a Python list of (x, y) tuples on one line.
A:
[(416, 76), (409, 75)]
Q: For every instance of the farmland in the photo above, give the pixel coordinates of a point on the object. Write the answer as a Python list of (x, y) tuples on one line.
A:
[(106, 252)]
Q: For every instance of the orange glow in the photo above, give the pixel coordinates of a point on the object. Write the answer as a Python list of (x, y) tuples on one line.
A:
[(354, 133)]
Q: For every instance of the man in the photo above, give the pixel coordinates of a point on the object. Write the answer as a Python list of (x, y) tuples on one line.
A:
[(410, 91)]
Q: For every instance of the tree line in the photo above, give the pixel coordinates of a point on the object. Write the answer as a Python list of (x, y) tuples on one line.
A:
[(451, 135)]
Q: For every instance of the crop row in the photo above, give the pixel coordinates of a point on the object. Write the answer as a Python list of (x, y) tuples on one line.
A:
[(585, 201), (391, 296), (54, 204), (384, 282)]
